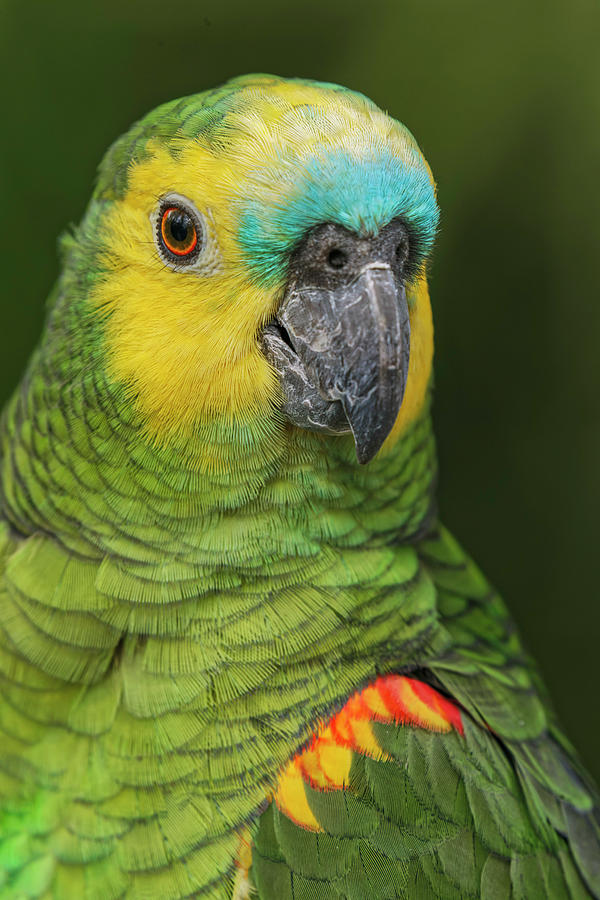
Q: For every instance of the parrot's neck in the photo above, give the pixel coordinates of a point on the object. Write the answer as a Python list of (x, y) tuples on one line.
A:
[(228, 501)]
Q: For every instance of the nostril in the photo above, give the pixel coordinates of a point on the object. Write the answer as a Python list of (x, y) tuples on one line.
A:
[(401, 251), (336, 258)]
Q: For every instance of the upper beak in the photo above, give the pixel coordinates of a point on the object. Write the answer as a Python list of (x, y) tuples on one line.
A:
[(351, 346)]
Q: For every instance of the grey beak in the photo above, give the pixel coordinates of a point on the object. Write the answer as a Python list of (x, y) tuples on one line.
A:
[(347, 365)]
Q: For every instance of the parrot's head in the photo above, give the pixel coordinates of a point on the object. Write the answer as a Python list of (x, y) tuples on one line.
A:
[(259, 255)]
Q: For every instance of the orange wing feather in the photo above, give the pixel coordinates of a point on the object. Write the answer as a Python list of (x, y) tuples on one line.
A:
[(325, 763)]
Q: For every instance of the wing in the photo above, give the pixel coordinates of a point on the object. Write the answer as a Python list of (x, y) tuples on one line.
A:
[(408, 793), (485, 669)]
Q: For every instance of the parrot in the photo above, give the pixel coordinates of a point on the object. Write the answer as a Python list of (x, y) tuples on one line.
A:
[(240, 654)]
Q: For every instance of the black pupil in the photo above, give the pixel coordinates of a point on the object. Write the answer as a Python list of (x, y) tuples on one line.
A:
[(179, 225)]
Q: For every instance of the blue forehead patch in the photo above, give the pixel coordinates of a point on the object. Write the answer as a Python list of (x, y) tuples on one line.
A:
[(363, 194)]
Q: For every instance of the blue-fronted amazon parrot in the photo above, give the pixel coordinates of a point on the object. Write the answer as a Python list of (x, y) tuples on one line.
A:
[(240, 656)]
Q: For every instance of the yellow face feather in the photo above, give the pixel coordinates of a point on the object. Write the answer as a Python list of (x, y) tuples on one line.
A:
[(420, 362), (186, 342)]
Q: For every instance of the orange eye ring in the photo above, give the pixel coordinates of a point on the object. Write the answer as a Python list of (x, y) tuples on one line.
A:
[(178, 232)]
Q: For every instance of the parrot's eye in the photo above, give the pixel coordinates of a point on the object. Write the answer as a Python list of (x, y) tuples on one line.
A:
[(179, 231)]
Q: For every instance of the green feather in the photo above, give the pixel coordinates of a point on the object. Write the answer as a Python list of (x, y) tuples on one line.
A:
[(171, 636), (491, 813)]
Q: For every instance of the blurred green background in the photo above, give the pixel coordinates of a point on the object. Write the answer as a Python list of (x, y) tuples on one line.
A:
[(504, 99)]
